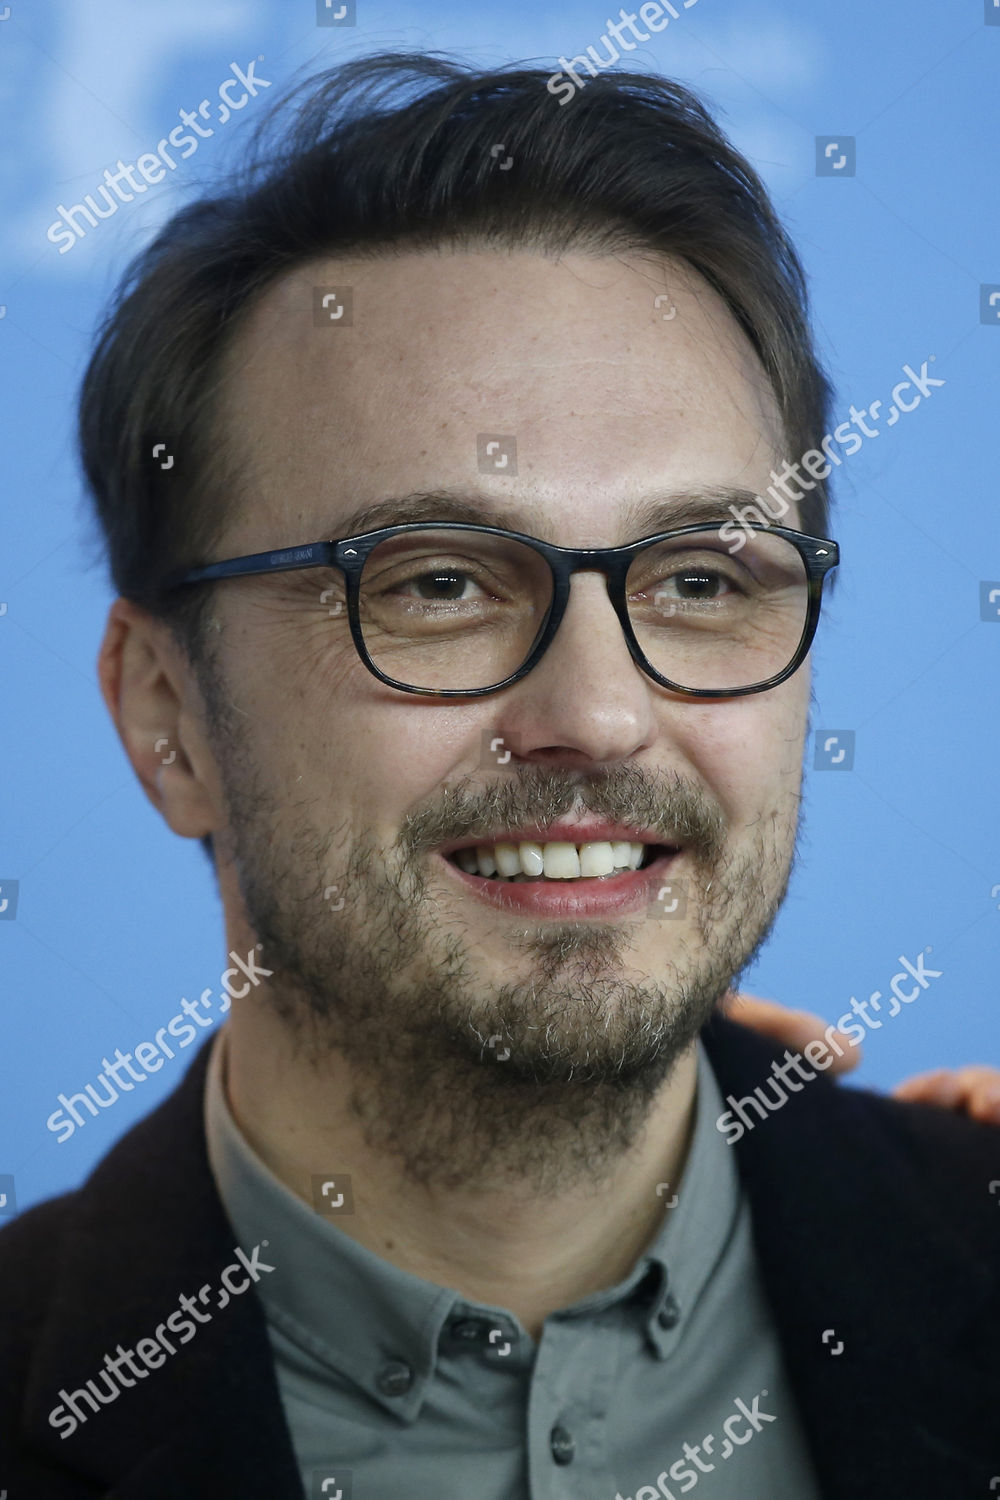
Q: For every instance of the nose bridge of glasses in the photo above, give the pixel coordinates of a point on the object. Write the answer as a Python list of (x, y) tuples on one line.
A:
[(610, 569), (609, 563), (588, 581)]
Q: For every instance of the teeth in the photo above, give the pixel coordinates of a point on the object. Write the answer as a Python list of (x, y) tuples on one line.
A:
[(561, 862), (508, 859), (553, 861), (599, 859)]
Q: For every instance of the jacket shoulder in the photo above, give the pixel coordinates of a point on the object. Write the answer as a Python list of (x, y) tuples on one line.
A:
[(31, 1251), (893, 1149), (957, 1158), (42, 1248), (30, 1247)]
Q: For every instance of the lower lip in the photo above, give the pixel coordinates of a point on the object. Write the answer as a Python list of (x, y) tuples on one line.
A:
[(615, 895)]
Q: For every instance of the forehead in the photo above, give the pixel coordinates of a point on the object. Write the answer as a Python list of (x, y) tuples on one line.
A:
[(572, 357)]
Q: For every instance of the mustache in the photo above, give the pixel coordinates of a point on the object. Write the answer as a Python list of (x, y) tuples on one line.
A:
[(677, 811)]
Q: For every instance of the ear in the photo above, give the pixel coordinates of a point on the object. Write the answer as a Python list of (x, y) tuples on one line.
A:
[(152, 697)]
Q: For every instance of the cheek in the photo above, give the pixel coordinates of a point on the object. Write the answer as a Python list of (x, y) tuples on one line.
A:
[(327, 730), (748, 751), (387, 759)]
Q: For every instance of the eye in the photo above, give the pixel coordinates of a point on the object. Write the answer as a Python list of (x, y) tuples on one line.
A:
[(444, 584), (695, 584), (450, 579), (675, 587)]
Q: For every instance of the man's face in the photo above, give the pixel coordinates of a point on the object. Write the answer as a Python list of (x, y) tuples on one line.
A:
[(332, 779)]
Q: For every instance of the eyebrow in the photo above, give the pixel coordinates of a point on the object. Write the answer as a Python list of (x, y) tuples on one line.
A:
[(663, 510)]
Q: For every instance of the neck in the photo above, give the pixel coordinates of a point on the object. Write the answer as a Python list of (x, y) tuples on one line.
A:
[(531, 1242)]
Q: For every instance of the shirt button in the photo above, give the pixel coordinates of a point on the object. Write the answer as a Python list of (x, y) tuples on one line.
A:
[(562, 1444), (669, 1314), (394, 1378), (469, 1330)]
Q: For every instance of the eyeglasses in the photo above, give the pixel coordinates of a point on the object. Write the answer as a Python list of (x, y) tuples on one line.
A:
[(458, 610)]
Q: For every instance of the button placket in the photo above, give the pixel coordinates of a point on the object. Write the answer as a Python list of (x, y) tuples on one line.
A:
[(570, 1390)]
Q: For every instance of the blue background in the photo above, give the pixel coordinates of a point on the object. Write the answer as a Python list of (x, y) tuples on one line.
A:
[(118, 919)]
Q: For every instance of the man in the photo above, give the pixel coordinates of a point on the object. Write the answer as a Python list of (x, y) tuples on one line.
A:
[(450, 1208)]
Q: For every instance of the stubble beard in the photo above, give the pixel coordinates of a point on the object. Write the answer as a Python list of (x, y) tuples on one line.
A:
[(538, 1069)]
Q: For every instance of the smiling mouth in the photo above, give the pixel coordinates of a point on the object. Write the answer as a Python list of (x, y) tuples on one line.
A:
[(557, 862)]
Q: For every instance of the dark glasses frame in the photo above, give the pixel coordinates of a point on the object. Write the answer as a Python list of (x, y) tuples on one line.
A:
[(819, 555)]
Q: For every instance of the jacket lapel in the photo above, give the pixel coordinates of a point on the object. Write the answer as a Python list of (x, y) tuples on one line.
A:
[(150, 1227), (850, 1239)]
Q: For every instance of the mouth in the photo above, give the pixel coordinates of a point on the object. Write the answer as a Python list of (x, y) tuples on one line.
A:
[(559, 878), (560, 860)]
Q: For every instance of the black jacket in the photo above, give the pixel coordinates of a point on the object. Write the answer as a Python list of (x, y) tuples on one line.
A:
[(871, 1218)]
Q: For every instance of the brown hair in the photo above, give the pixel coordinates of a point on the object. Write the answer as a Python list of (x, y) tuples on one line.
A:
[(395, 150)]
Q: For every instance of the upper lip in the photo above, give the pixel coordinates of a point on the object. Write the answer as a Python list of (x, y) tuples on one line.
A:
[(569, 833)]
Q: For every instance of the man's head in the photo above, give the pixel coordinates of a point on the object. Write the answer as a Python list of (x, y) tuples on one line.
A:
[(528, 302)]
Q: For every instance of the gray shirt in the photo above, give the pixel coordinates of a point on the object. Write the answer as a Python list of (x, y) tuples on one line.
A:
[(392, 1384)]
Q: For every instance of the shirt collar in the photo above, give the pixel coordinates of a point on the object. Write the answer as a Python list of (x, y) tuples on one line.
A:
[(700, 1220), (364, 1317)]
